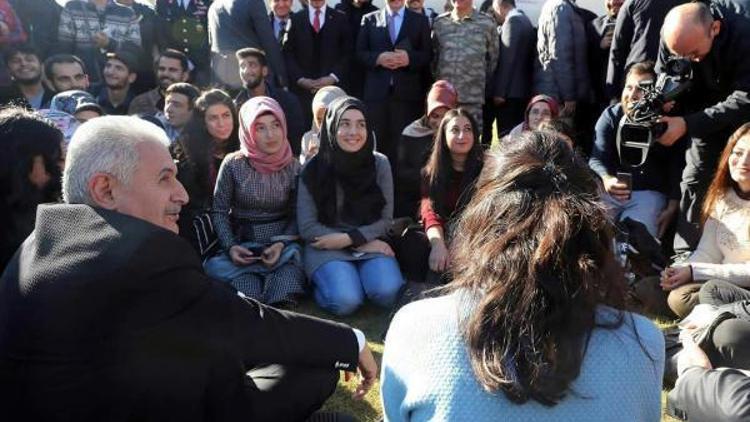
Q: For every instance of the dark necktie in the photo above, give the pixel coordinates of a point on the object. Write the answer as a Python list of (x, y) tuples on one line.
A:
[(282, 30)]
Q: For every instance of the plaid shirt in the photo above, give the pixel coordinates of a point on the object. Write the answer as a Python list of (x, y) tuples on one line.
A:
[(80, 21)]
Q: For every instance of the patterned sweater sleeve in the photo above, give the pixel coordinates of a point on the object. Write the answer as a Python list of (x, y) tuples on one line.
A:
[(66, 32), (707, 260), (222, 204)]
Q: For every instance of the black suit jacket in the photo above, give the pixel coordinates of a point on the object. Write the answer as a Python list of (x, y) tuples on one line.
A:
[(302, 59), (373, 39), (107, 317), (515, 66)]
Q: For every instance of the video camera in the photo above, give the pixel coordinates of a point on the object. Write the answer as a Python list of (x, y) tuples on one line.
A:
[(638, 130)]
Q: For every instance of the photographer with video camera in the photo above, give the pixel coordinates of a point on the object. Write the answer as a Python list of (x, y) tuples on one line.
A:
[(715, 37), (646, 190)]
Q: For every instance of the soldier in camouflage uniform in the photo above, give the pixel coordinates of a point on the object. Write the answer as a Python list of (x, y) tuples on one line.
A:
[(465, 45), (184, 28)]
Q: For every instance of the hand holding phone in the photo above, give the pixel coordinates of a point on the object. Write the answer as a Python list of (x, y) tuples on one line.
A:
[(241, 255), (626, 179)]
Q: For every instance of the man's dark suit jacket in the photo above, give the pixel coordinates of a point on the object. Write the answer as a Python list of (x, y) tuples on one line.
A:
[(304, 60), (515, 65), (373, 39), (107, 317)]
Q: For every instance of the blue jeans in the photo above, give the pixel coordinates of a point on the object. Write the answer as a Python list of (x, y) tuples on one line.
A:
[(643, 206), (341, 286)]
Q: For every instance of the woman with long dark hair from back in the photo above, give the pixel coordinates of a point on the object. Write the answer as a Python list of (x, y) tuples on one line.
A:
[(533, 325), (447, 186), (208, 137), (254, 210), (31, 159), (344, 207), (723, 253)]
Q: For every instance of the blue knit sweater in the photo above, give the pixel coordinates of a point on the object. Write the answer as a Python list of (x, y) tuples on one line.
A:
[(426, 374)]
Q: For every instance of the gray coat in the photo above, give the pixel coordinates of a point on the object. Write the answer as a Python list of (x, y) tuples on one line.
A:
[(310, 227), (562, 66)]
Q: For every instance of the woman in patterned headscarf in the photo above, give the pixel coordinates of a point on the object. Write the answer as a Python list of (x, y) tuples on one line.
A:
[(253, 210)]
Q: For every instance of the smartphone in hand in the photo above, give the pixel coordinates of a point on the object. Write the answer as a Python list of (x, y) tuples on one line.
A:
[(627, 180)]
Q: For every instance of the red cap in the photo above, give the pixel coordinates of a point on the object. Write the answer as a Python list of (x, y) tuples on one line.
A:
[(442, 94)]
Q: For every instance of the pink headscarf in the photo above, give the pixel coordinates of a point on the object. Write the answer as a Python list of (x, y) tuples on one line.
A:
[(262, 162)]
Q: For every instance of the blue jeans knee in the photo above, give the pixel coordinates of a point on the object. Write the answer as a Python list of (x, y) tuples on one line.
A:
[(338, 289)]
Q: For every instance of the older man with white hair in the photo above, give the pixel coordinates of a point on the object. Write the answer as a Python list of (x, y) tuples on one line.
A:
[(106, 314)]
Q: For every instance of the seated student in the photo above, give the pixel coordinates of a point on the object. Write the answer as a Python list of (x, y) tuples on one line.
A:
[(447, 186), (653, 196), (25, 71), (344, 207), (320, 103), (207, 138), (541, 107), (415, 146), (533, 325), (723, 252), (30, 169), (254, 210), (179, 100)]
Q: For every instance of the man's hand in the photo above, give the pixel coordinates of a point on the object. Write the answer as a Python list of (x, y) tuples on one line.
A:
[(665, 217), (271, 254), (368, 373), (387, 60), (376, 246), (241, 255), (324, 81), (615, 189), (498, 101), (606, 41), (569, 109), (691, 354), (674, 277), (306, 84), (332, 241), (676, 129), (101, 40), (402, 58)]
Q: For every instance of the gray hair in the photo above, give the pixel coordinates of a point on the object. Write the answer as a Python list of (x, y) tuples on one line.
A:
[(105, 145)]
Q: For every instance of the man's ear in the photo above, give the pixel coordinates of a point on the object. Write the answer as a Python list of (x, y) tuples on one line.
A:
[(132, 77), (715, 27), (264, 71), (101, 191)]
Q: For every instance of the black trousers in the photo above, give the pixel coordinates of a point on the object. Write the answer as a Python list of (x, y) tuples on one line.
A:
[(509, 115), (388, 119), (731, 339), (284, 393)]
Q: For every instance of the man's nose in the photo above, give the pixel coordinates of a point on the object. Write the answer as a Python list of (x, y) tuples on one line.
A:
[(180, 195)]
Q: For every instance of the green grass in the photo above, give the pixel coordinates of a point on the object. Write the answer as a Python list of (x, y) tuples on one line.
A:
[(372, 321)]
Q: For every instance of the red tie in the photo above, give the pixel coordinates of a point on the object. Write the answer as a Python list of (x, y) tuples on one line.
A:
[(316, 21)]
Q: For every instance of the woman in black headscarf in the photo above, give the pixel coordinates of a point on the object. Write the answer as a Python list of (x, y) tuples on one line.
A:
[(344, 204)]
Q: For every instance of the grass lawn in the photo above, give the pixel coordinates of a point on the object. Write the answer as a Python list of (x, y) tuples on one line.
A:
[(372, 321)]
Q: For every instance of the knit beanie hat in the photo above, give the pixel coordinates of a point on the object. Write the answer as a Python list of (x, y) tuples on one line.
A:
[(442, 94)]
